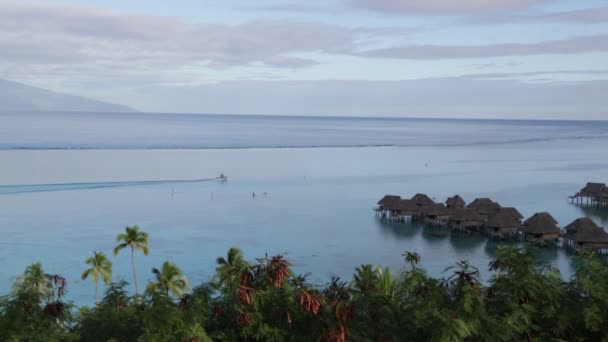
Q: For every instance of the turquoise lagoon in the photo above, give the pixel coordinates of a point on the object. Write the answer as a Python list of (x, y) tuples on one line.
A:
[(321, 176)]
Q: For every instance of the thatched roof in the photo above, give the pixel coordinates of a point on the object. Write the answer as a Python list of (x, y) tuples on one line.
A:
[(406, 205), (455, 202), (594, 235), (541, 223), (389, 200), (512, 212), (484, 206), (503, 218), (423, 200), (465, 214), (593, 188), (438, 209), (583, 223), (585, 230)]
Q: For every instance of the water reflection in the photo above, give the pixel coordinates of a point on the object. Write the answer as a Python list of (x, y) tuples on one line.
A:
[(398, 229), (548, 254), (492, 246), (466, 241), (431, 234)]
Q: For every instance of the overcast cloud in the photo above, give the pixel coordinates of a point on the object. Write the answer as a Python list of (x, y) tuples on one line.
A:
[(444, 6), (389, 55)]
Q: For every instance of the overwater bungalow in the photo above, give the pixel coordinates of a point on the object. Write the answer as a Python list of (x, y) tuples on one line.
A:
[(592, 189), (405, 209), (437, 214), (465, 219), (504, 223), (423, 200), (455, 202), (584, 233), (593, 194), (513, 212), (387, 204), (541, 228), (485, 207), (387, 201)]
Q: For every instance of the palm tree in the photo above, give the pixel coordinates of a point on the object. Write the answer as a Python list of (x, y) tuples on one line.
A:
[(169, 279), (365, 278), (34, 278), (411, 258), (230, 269), (100, 266), (136, 240), (386, 283)]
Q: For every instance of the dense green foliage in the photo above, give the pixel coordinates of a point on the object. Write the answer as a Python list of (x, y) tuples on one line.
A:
[(265, 301)]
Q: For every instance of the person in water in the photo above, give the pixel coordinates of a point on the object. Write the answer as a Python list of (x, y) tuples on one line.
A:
[(253, 194)]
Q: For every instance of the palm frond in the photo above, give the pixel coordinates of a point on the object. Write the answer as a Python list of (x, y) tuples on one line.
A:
[(86, 274)]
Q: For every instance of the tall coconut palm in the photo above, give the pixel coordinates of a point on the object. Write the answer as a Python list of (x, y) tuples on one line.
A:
[(100, 267), (169, 279), (136, 240), (230, 269)]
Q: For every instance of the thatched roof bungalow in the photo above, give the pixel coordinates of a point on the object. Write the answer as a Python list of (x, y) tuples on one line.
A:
[(423, 200), (485, 207), (593, 193), (455, 202), (541, 228), (437, 214), (465, 219), (583, 223), (593, 189), (583, 232), (512, 211), (504, 223), (388, 202), (406, 207)]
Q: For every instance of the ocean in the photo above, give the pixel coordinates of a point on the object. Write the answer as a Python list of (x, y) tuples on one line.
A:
[(70, 182)]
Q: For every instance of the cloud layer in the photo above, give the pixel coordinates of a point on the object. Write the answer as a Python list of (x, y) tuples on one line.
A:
[(66, 37), (143, 60), (597, 43), (48, 35), (443, 6)]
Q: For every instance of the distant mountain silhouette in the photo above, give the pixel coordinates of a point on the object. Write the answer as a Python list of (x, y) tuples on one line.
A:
[(17, 96)]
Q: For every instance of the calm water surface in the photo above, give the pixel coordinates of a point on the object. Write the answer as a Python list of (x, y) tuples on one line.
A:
[(318, 207)]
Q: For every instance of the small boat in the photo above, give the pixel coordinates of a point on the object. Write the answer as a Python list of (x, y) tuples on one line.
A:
[(222, 178)]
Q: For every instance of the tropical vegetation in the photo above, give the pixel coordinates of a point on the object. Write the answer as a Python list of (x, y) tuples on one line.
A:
[(264, 300)]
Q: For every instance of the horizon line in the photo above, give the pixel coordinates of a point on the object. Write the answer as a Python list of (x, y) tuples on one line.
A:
[(315, 116)]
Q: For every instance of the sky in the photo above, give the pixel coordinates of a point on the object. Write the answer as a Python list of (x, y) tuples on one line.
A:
[(520, 59)]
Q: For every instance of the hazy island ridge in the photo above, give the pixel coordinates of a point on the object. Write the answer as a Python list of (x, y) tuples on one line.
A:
[(16, 96)]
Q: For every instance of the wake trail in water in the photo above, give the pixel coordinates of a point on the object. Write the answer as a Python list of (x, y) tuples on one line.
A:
[(29, 188)]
